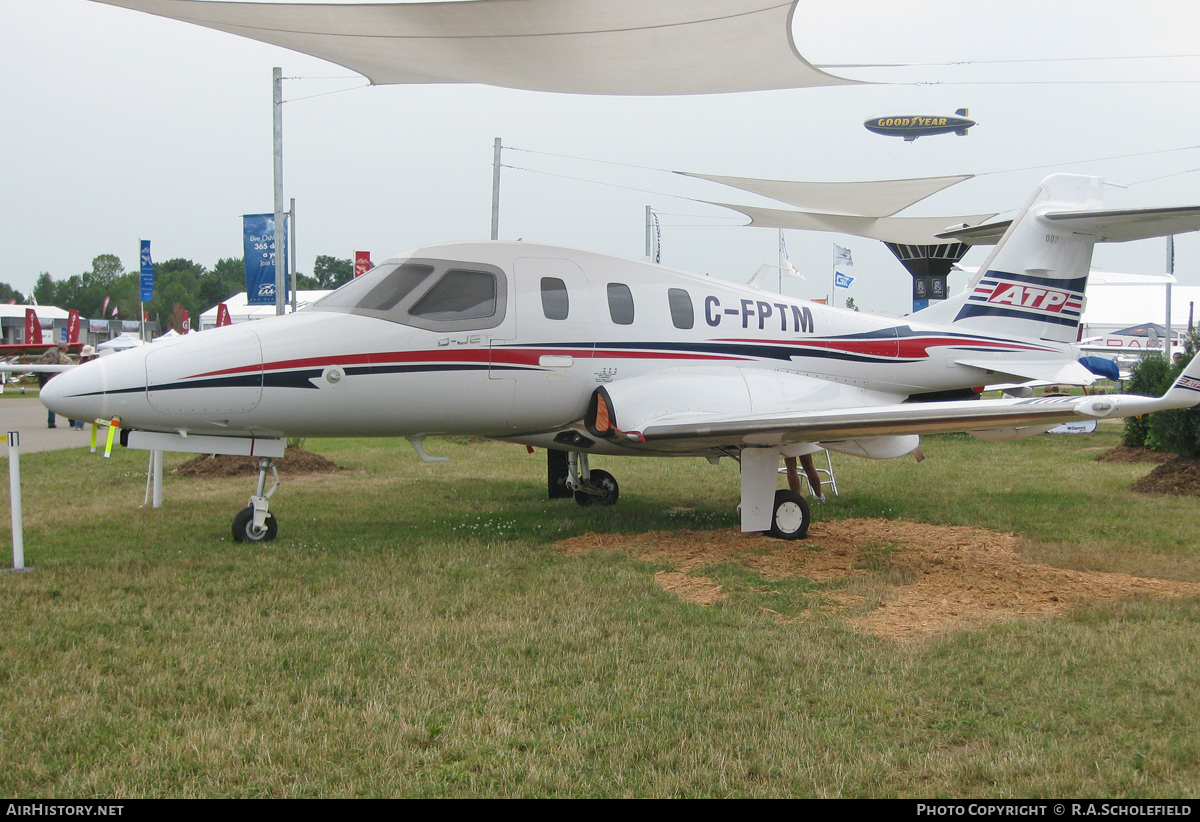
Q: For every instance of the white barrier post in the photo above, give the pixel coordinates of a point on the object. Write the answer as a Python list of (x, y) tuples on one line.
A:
[(14, 479)]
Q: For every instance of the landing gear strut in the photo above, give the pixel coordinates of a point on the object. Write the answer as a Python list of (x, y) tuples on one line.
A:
[(254, 523), (590, 487)]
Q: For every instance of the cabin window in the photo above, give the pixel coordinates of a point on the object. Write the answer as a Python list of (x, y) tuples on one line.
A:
[(380, 290), (555, 303), (682, 314), (458, 295), (620, 303), (437, 295)]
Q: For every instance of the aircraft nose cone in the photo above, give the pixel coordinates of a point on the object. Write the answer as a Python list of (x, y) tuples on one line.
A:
[(77, 394)]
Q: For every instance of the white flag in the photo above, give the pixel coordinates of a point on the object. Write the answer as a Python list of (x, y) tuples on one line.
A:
[(841, 256)]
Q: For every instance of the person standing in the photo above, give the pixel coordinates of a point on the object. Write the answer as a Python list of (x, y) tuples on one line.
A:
[(55, 356), (810, 471), (87, 354)]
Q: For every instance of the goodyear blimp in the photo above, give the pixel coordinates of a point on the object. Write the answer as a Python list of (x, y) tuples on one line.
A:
[(910, 127)]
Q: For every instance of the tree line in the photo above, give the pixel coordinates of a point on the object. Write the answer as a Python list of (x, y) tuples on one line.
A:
[(108, 291)]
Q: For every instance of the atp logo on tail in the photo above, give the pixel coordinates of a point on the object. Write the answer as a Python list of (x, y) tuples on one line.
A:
[(1025, 296)]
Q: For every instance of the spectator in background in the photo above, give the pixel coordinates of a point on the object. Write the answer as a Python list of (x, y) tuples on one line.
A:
[(55, 356), (86, 355)]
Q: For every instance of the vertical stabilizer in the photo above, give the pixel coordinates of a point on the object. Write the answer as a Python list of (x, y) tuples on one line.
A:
[(1033, 285), (33, 328)]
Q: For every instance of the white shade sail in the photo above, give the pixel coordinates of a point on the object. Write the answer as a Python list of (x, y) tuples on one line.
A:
[(873, 198), (904, 230), (627, 47)]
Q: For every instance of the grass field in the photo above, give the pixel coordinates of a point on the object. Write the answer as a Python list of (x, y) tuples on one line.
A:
[(413, 632)]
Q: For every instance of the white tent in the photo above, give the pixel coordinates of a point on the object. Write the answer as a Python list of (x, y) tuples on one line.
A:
[(634, 47), (870, 198), (904, 230), (241, 311), (1116, 301)]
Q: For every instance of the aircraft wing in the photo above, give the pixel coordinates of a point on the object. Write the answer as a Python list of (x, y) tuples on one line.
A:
[(33, 368), (696, 430), (1049, 372)]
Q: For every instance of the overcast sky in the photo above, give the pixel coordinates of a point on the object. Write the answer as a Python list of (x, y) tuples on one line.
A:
[(119, 126)]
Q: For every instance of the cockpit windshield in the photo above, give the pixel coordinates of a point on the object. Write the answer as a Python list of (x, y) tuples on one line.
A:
[(432, 294)]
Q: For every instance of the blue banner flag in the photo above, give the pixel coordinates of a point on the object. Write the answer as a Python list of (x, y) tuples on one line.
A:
[(147, 273), (842, 280), (258, 248)]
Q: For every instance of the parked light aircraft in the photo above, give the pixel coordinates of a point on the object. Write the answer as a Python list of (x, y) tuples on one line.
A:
[(584, 354)]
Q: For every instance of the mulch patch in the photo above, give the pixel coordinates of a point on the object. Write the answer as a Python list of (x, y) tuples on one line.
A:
[(295, 461), (1179, 477), (1128, 454)]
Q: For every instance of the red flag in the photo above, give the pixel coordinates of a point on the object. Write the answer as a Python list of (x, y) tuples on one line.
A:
[(73, 326), (223, 317), (362, 263), (185, 323), (104, 307)]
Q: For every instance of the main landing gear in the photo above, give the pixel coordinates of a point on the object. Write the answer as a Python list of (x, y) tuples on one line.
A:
[(590, 487), (254, 523), (789, 516)]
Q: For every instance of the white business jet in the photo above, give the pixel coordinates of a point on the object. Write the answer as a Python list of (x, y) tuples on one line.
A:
[(584, 354)]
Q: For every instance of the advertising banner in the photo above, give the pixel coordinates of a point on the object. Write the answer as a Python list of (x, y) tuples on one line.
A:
[(147, 273), (362, 262), (258, 251)]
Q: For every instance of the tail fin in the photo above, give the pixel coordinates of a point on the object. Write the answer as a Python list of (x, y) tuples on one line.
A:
[(72, 327), (1033, 284), (33, 328), (962, 112), (1185, 392)]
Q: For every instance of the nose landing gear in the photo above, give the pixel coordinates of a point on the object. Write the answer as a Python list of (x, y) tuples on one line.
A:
[(255, 523)]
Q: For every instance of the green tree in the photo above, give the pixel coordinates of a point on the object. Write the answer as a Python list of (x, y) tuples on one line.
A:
[(228, 277), (331, 272), (8, 293)]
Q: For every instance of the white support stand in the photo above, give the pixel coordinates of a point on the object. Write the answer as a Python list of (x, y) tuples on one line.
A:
[(14, 479), (760, 467), (154, 480), (156, 460)]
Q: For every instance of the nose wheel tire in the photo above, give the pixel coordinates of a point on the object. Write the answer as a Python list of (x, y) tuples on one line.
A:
[(602, 490), (244, 531), (790, 517)]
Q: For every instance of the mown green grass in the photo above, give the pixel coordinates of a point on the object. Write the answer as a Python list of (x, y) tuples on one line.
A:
[(412, 632)]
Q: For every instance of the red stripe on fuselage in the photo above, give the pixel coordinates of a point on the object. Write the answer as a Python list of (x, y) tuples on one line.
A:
[(483, 356)]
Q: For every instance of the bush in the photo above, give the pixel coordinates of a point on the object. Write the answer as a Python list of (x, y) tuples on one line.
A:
[(1176, 431)]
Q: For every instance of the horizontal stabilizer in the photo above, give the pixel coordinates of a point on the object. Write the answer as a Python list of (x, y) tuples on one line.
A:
[(1070, 373), (1106, 226), (1130, 224), (986, 234)]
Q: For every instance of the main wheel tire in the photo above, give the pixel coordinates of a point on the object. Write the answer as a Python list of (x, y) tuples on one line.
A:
[(606, 483), (243, 527), (790, 517)]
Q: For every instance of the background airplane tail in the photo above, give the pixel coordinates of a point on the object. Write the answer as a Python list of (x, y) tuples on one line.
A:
[(33, 328), (1034, 282)]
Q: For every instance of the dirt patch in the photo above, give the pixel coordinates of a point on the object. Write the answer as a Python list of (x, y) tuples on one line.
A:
[(1179, 477), (1129, 454), (899, 580), (295, 461)]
